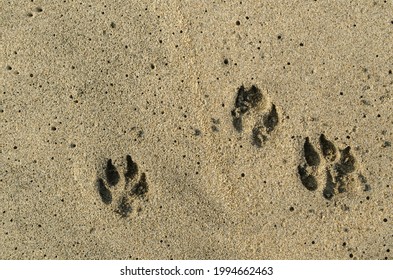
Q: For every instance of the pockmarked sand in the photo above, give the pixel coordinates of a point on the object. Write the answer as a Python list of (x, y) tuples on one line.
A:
[(196, 130)]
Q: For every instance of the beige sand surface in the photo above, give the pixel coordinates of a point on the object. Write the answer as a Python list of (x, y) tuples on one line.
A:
[(231, 171)]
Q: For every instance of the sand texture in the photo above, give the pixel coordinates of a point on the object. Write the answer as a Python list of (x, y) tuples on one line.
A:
[(196, 129)]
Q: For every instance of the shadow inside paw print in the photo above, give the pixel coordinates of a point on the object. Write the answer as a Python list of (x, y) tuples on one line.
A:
[(339, 165), (262, 129), (252, 106), (112, 176), (245, 100), (307, 172), (131, 191)]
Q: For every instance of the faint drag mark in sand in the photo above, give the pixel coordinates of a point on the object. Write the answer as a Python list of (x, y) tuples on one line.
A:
[(124, 200), (337, 169), (253, 113)]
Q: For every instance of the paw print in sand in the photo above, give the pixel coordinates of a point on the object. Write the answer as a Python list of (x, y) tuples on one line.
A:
[(122, 200), (337, 167), (253, 113)]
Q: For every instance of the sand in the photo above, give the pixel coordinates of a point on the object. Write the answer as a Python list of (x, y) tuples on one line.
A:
[(196, 130)]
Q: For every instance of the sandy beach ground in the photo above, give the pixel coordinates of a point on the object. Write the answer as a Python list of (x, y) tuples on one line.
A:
[(196, 130)]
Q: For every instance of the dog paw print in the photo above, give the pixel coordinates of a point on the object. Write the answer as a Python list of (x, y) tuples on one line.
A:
[(134, 190), (336, 169), (255, 114)]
